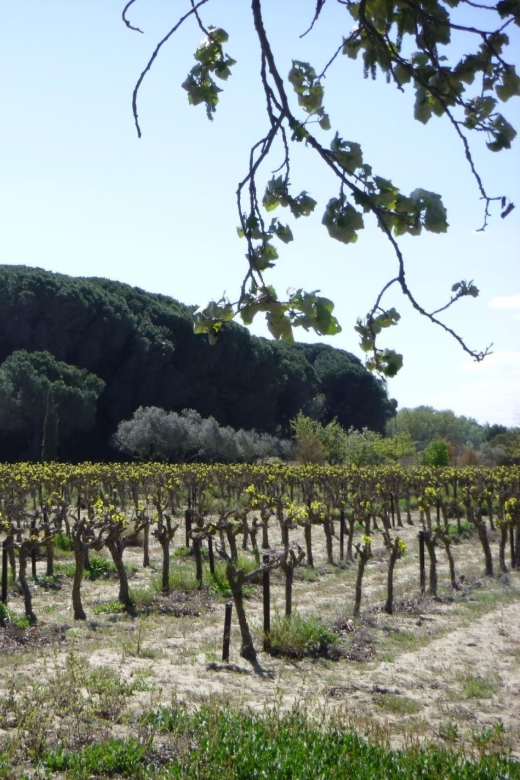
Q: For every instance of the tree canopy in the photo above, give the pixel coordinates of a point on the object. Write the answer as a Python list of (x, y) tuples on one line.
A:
[(46, 399), (423, 424), (143, 347), (413, 44)]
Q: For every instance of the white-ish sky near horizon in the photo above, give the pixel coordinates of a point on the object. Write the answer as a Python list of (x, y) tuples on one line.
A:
[(82, 195)]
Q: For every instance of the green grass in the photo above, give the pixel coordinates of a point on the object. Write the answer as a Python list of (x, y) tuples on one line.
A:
[(234, 745), (121, 757), (399, 705), (297, 636), (109, 608), (476, 686), (182, 576)]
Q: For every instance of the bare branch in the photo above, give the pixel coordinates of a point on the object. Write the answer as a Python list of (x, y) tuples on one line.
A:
[(153, 57), (317, 12), (125, 20)]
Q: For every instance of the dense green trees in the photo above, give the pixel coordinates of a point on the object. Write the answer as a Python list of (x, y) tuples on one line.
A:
[(45, 399), (425, 423), (143, 347)]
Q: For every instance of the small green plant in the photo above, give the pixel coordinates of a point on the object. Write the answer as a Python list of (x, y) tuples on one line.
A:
[(297, 636), (5, 614), (65, 569), (306, 574), (219, 582), (62, 542), (396, 703), (183, 552), (122, 757), (490, 738), (109, 608), (142, 597), (137, 648), (476, 686), (182, 577), (449, 731), (99, 568)]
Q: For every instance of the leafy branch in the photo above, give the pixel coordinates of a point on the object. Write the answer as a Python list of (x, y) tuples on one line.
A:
[(440, 90)]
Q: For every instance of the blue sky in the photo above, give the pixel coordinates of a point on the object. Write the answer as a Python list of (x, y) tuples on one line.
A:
[(82, 195)]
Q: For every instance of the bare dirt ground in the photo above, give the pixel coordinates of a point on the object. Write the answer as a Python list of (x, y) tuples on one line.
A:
[(443, 670)]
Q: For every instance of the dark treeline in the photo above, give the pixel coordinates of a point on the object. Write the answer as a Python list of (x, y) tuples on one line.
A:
[(143, 347)]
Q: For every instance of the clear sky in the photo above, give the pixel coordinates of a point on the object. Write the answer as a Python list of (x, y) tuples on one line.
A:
[(83, 196)]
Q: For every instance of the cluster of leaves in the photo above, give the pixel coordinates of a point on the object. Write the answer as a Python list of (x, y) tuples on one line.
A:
[(211, 60), (317, 443)]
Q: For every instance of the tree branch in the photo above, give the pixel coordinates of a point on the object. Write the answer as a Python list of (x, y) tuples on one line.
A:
[(153, 57)]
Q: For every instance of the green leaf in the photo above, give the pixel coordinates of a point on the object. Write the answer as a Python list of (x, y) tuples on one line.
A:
[(275, 192), (422, 109), (502, 132), (510, 84), (315, 313), (263, 257), (347, 153), (509, 8), (401, 74), (279, 324), (342, 220), (433, 213), (386, 362), (302, 205), (325, 122), (283, 232)]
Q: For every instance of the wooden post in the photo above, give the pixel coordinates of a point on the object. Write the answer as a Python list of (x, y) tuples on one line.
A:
[(421, 561), (187, 519), (392, 509), (33, 562), (227, 631), (267, 604), (511, 545), (289, 577), (211, 556), (5, 564), (342, 535)]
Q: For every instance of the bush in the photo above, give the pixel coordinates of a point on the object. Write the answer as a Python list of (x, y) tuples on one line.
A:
[(297, 636)]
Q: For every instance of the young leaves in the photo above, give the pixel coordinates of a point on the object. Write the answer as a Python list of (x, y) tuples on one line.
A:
[(199, 84)]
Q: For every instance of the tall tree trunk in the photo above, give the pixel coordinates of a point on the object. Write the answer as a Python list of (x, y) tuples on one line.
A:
[(22, 578), (502, 548), (307, 532), (79, 556), (116, 552), (235, 579), (429, 541), (146, 545), (389, 606), (165, 571), (484, 541), (359, 582), (327, 527)]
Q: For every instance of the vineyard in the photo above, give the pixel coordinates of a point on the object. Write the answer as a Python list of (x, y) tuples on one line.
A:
[(386, 598)]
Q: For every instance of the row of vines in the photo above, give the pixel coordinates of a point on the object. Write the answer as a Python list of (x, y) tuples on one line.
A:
[(220, 509)]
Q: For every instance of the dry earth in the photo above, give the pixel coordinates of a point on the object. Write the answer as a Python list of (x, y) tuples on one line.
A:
[(444, 670)]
